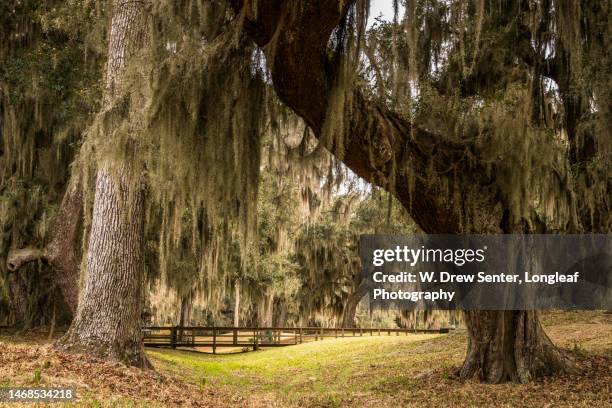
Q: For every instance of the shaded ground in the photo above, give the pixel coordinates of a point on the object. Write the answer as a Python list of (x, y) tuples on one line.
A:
[(411, 371), (98, 384)]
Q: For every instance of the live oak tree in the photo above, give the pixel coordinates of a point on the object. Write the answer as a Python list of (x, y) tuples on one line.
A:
[(478, 116), (175, 119), (107, 321), (469, 138)]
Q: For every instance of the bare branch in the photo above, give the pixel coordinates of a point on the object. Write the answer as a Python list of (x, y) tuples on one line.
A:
[(18, 257)]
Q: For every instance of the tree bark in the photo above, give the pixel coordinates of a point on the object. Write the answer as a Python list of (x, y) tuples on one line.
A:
[(508, 346), (60, 252), (348, 317), (266, 311), (236, 302), (107, 322), (350, 309), (504, 345), (280, 314), (184, 314)]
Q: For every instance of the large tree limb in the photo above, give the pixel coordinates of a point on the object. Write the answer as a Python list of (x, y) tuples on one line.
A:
[(60, 252), (378, 142)]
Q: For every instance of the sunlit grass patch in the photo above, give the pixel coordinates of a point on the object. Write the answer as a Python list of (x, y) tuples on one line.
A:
[(319, 368)]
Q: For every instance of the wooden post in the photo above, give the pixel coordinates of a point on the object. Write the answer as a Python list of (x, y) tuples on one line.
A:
[(255, 339), (173, 337), (214, 341), (301, 338), (295, 334), (235, 339)]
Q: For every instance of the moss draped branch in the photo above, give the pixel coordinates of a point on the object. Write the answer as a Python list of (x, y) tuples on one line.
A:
[(379, 145)]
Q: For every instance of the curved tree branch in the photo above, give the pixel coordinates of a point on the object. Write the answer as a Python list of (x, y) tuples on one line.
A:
[(18, 257), (379, 145)]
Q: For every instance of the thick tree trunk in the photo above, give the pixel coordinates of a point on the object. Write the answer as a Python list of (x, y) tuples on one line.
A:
[(350, 309), (266, 311), (295, 36), (280, 315), (107, 323), (348, 317), (61, 252), (509, 346), (185, 312)]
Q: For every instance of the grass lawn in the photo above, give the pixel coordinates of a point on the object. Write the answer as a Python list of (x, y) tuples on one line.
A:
[(324, 372), (397, 371), (415, 370)]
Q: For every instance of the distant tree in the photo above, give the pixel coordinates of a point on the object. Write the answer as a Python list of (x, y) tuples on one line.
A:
[(328, 253)]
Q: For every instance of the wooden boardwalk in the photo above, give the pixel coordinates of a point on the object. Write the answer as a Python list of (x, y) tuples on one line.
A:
[(257, 337)]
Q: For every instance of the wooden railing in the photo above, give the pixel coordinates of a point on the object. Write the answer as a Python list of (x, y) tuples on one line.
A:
[(256, 337)]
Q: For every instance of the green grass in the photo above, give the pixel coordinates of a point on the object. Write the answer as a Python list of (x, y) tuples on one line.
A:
[(408, 371), (317, 371)]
